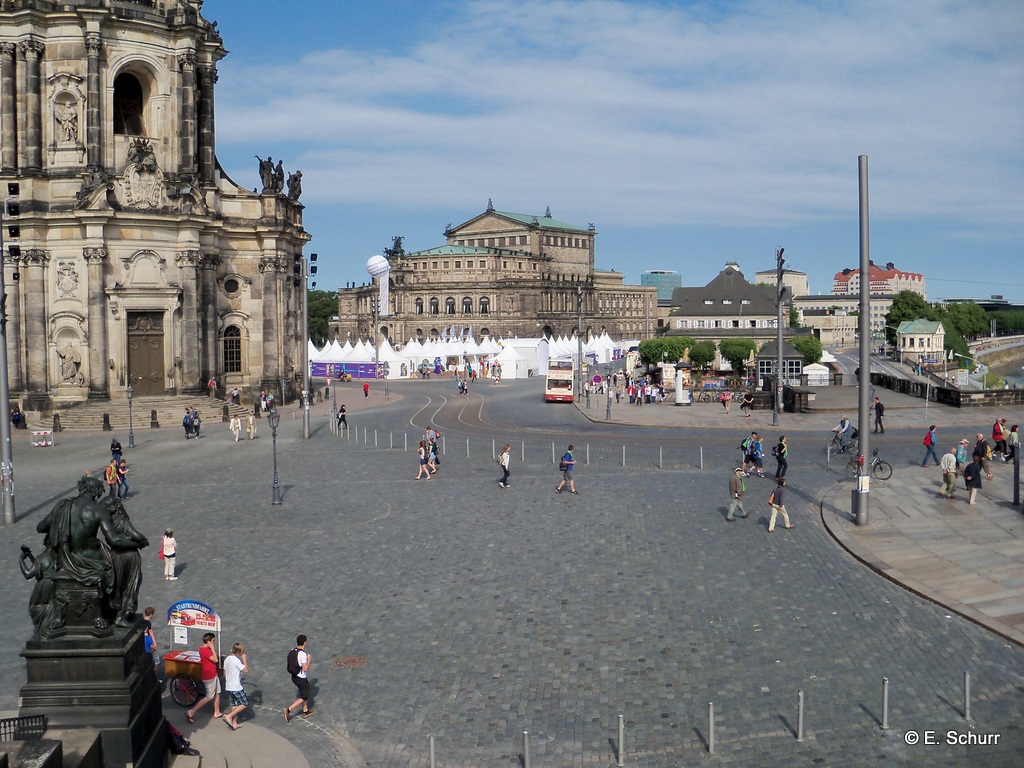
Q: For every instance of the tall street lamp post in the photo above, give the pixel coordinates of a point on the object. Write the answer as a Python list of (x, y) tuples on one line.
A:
[(6, 455), (579, 333), (275, 421), (131, 428), (307, 270), (779, 291)]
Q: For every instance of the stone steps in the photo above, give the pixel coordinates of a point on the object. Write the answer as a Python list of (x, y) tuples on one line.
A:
[(170, 410)]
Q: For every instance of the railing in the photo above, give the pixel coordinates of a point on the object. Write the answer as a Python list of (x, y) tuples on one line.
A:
[(23, 728)]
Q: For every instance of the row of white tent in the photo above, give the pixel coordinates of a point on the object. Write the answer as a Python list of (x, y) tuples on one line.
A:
[(517, 357)]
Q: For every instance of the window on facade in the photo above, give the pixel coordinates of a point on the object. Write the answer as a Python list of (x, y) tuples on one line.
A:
[(232, 349), (467, 306), (718, 323), (701, 323), (520, 265), (419, 306), (485, 305), (745, 301), (435, 265), (449, 306), (504, 265), (735, 323), (708, 301), (483, 265), (727, 301), (444, 264), (128, 106), (458, 265), (434, 306), (753, 323), (469, 265), (490, 241)]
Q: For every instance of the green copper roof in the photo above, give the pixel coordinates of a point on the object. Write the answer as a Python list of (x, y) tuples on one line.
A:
[(544, 222), (460, 250), (919, 326)]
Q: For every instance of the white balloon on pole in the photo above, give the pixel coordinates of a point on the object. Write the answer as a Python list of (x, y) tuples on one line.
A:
[(380, 268), (377, 266)]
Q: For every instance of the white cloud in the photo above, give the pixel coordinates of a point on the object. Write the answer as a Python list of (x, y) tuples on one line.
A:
[(658, 113)]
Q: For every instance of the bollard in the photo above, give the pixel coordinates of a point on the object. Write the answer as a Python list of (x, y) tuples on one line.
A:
[(967, 695), (588, 454), (885, 703), (56, 424), (552, 452), (467, 447), (526, 749), (711, 728), (621, 750), (524, 452), (444, 449), (800, 715), (623, 455), (702, 457), (375, 438), (430, 741), (405, 436), (364, 435), (391, 436), (492, 449), (106, 422), (660, 457), (153, 422)]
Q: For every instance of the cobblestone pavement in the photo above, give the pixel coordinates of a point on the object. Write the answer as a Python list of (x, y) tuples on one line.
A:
[(483, 612)]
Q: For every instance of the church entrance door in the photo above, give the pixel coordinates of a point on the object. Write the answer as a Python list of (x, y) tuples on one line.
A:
[(146, 352)]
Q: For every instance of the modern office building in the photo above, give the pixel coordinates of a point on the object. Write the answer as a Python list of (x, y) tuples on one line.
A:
[(665, 281)]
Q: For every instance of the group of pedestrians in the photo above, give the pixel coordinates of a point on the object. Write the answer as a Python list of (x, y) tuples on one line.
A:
[(192, 423), (233, 667), (956, 462), (753, 456), (235, 425), (116, 473), (776, 501), (429, 454)]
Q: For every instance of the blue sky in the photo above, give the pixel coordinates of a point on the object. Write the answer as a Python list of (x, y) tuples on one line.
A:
[(689, 134)]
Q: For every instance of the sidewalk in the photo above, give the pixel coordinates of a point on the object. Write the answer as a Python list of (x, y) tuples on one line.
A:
[(968, 559)]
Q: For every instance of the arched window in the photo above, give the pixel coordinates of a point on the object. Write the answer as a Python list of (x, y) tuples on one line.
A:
[(232, 349), (485, 305), (419, 306), (485, 332), (128, 103), (449, 306), (434, 306), (467, 306)]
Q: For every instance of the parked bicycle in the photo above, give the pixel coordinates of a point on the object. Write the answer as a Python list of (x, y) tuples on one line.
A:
[(880, 470)]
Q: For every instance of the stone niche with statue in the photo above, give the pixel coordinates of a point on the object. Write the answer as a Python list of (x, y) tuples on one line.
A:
[(87, 665)]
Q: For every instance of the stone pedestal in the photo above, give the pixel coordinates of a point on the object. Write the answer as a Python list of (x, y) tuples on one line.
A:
[(102, 684)]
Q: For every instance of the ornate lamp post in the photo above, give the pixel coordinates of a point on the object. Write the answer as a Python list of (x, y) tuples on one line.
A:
[(131, 429), (8, 209), (275, 421)]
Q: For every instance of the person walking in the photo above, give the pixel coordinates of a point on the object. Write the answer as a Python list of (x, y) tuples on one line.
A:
[(110, 476), (150, 639), (566, 465), (777, 503), (433, 455), (366, 390), (972, 478), (747, 405), (186, 422), (999, 434), (948, 464), (781, 454), (961, 455), (736, 492), (1012, 443), (250, 425), (299, 660), (503, 461), (122, 480), (115, 450), (726, 400), (342, 418), (879, 413), (169, 549), (982, 453), (423, 457), (234, 666), (211, 679), (236, 426), (197, 422), (930, 441)]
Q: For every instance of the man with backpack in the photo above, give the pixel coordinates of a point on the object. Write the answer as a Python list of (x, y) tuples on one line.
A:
[(751, 448), (298, 666), (930, 440), (566, 466)]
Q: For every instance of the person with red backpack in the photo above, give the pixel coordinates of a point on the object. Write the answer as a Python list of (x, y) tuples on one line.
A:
[(298, 663), (930, 441)]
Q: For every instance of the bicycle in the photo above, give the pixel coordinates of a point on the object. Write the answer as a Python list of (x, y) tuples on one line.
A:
[(835, 445), (880, 470), (703, 396)]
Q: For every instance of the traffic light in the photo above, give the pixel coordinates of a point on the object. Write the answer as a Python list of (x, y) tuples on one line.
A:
[(10, 214)]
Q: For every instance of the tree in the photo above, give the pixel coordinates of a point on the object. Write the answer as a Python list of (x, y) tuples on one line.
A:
[(969, 320), (809, 347), (667, 348), (323, 305), (737, 352), (953, 341), (702, 353), (906, 305), (794, 317)]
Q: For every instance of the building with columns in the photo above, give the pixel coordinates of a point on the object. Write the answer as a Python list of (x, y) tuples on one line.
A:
[(133, 259), (502, 274)]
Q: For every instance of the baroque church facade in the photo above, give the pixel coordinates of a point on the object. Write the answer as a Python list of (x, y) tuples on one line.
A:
[(501, 274), (130, 257)]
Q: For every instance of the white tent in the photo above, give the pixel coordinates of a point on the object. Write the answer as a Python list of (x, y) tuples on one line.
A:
[(513, 365)]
